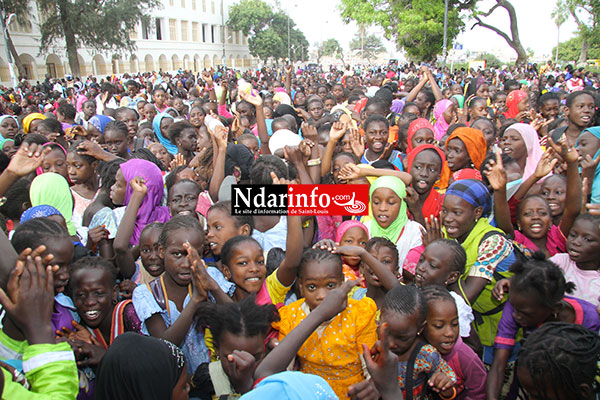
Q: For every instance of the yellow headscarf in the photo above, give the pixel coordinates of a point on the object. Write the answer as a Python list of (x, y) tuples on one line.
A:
[(29, 119)]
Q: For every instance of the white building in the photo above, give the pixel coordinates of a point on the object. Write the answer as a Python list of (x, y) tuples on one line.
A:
[(188, 34)]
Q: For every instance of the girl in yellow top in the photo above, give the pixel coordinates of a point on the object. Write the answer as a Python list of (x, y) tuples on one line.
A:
[(333, 350)]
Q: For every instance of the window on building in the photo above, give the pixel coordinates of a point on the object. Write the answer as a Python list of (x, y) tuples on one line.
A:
[(184, 31), (229, 36), (158, 29), (212, 33), (51, 70), (145, 30), (195, 32), (24, 27), (193, 4), (212, 6), (133, 33), (203, 33), (172, 29), (182, 3), (203, 5)]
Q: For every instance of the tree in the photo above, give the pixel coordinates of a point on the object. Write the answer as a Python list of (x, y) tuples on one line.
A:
[(513, 39), (586, 14), (417, 26), (369, 46), (571, 49), (267, 31), (559, 15), (21, 10), (99, 25), (330, 48)]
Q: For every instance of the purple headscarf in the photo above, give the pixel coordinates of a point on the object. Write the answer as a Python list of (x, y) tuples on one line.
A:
[(441, 126), (150, 210)]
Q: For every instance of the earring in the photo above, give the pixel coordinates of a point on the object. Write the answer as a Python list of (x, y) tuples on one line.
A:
[(115, 301)]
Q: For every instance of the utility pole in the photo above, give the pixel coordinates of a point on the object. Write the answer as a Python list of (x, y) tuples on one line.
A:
[(223, 33), (288, 21), (445, 33), (5, 23)]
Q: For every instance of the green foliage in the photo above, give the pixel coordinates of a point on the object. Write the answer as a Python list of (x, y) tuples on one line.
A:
[(492, 60), (330, 48), (569, 50), (417, 26), (370, 46), (100, 25), (267, 31)]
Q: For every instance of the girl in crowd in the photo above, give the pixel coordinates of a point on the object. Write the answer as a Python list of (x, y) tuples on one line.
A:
[(82, 174), (465, 148)]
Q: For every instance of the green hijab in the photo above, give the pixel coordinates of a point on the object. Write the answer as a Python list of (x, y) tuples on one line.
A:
[(53, 190), (461, 100), (393, 231)]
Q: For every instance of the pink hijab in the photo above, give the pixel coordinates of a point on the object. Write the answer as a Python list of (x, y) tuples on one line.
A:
[(532, 143), (344, 226), (441, 126)]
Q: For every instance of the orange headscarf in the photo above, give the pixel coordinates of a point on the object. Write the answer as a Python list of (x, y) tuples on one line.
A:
[(512, 103), (474, 142)]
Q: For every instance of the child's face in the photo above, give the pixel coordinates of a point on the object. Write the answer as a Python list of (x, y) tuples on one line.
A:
[(159, 97), (246, 267), (161, 153), (89, 109), (197, 117), (8, 128), (535, 219), (178, 105), (450, 114), (354, 236), (442, 327), (93, 294), (402, 332), (221, 228), (433, 267), (318, 278), (385, 205), (457, 155), (150, 111), (550, 109), (130, 119), (478, 109), (338, 164), (488, 130), (252, 145), (329, 104), (150, 252), (9, 149), (384, 255), (187, 141), (80, 171), (422, 136), (62, 250), (458, 217), (377, 135), (554, 189), (583, 243), (174, 255), (582, 110), (228, 342), (55, 161), (146, 133), (116, 142), (425, 170), (165, 123), (182, 199), (118, 190), (315, 109), (50, 135), (588, 145), (529, 311)]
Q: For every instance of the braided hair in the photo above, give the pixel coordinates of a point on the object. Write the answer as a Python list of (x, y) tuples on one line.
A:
[(93, 263), (318, 255), (179, 222), (459, 259), (436, 293), (243, 318), (36, 232), (406, 300), (562, 356)]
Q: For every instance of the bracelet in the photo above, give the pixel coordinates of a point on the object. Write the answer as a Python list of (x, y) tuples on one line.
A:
[(313, 162), (451, 397), (208, 89)]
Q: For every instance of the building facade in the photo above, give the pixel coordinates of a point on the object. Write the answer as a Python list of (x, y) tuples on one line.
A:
[(188, 34)]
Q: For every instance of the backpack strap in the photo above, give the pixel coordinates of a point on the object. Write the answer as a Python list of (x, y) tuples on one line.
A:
[(410, 368), (155, 288)]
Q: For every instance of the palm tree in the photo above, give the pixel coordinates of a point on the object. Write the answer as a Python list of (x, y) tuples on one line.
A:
[(559, 15)]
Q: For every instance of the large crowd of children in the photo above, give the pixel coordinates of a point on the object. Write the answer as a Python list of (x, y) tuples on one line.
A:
[(125, 274)]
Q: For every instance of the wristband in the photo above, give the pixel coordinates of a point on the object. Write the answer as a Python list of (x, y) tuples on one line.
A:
[(209, 88), (450, 397), (313, 162)]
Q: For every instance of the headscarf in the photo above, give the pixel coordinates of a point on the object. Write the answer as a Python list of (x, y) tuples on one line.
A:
[(137, 367), (281, 138), (460, 98), (393, 231), (282, 98), (150, 209), (512, 103), (238, 155), (100, 121), (38, 212), (414, 127), (3, 141), (473, 192), (286, 109), (3, 117), (466, 173), (532, 143), (171, 148), (474, 142), (52, 189), (292, 385), (441, 126), (433, 203), (596, 184), (30, 118), (346, 225)]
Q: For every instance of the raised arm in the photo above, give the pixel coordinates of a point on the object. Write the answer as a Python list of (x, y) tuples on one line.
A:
[(415, 91), (26, 160), (218, 175), (386, 277), (351, 171), (574, 186), (338, 129), (289, 69), (437, 92), (496, 175), (286, 273), (261, 124)]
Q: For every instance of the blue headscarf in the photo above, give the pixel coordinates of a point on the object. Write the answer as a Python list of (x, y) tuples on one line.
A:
[(473, 192), (595, 130), (3, 117), (292, 385), (171, 148), (38, 212), (100, 121)]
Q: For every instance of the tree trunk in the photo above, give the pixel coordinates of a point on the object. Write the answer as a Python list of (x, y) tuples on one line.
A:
[(15, 57), (63, 7), (557, 43), (584, 50)]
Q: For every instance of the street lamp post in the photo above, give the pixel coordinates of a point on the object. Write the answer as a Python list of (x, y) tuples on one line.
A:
[(5, 24), (288, 21), (445, 33), (223, 35)]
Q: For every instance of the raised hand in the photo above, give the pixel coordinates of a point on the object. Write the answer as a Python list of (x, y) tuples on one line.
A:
[(293, 155), (412, 198), (207, 77), (201, 281), (545, 165), (500, 288), (566, 151), (279, 181), (433, 230), (325, 244), (338, 130), (27, 159), (78, 332), (309, 132), (382, 365), (305, 147), (138, 185), (243, 365), (336, 300), (495, 173), (177, 161), (350, 171), (252, 98), (92, 149), (357, 143)]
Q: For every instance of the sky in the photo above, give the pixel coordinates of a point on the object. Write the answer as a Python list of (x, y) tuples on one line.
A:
[(320, 20)]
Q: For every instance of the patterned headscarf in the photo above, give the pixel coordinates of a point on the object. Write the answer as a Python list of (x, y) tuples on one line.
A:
[(473, 192), (100, 121), (38, 212)]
